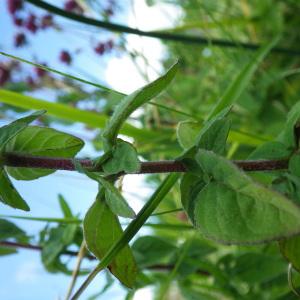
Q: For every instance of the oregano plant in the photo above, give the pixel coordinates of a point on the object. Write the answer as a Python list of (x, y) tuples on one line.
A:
[(218, 138)]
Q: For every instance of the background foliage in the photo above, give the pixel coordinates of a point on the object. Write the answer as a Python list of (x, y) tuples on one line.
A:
[(175, 259)]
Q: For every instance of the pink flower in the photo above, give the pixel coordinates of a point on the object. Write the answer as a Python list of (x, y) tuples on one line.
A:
[(18, 21), (73, 6), (20, 40), (47, 21), (65, 57), (14, 6), (31, 23), (4, 74), (100, 49), (40, 72)]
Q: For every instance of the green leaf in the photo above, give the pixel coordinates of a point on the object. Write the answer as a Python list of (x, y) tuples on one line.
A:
[(10, 230), (115, 200), (152, 250), (233, 209), (290, 249), (64, 206), (101, 230), (186, 132), (287, 136), (59, 238), (9, 195), (190, 186), (294, 165), (133, 101), (124, 159), (214, 138), (7, 251), (256, 267), (131, 230), (41, 141), (270, 150), (242, 80), (9, 131)]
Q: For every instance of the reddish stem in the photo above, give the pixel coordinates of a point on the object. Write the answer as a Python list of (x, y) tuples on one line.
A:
[(167, 166), (159, 267)]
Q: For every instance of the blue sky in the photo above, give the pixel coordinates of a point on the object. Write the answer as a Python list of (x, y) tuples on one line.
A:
[(22, 276)]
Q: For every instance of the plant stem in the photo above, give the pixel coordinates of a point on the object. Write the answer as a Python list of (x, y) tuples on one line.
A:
[(75, 272), (155, 34), (168, 166), (157, 267)]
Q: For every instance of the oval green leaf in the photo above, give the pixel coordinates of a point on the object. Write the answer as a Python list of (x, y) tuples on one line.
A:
[(233, 209), (41, 141), (101, 230)]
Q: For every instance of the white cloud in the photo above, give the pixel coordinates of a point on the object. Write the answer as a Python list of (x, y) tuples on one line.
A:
[(121, 73), (145, 294)]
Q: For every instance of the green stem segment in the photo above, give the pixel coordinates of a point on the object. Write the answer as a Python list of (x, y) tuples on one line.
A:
[(132, 229)]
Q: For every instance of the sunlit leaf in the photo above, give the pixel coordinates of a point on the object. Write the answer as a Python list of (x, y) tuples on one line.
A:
[(41, 141), (133, 101)]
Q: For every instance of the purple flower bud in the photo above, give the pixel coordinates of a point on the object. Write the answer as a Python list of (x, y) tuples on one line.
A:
[(18, 21), (65, 57), (47, 21), (20, 40), (40, 72), (109, 45), (14, 6), (4, 74), (100, 49), (73, 6), (31, 23)]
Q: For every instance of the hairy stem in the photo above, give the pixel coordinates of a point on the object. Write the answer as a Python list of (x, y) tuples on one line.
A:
[(168, 166)]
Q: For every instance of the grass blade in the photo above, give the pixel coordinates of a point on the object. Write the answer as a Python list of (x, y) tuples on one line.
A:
[(239, 84), (70, 113), (61, 73)]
